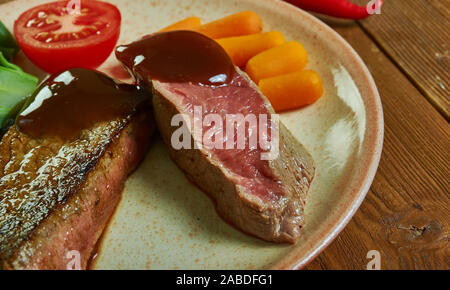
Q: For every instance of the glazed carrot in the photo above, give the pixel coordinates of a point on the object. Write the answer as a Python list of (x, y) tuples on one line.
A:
[(292, 90), (242, 48), (283, 59), (238, 24), (185, 24)]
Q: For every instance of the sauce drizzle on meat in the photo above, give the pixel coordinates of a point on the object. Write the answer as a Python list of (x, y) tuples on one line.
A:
[(76, 99), (178, 56)]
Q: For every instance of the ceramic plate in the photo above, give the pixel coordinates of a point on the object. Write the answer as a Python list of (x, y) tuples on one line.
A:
[(164, 222)]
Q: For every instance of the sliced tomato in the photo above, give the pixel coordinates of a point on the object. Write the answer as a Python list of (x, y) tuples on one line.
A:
[(56, 39)]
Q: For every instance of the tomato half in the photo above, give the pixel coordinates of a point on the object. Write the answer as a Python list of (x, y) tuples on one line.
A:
[(55, 39)]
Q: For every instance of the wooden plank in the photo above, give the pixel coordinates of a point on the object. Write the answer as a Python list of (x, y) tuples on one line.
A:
[(406, 215), (416, 35)]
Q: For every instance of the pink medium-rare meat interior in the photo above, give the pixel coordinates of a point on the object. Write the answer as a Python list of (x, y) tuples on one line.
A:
[(236, 97)]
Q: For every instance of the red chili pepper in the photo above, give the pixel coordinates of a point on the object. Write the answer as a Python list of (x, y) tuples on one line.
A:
[(336, 8)]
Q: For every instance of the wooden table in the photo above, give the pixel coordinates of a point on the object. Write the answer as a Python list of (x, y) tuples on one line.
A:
[(406, 214)]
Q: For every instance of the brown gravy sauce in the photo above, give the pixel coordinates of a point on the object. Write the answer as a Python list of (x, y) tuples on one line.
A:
[(178, 56), (76, 99)]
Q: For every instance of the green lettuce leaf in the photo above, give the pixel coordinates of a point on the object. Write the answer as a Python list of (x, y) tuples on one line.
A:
[(15, 87)]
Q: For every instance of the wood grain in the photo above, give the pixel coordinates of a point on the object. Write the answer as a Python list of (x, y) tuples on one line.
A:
[(416, 35), (406, 215)]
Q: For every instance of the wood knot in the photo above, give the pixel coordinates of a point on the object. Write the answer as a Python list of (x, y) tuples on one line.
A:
[(418, 229)]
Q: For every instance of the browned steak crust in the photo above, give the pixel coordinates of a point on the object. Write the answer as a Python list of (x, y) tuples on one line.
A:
[(57, 197)]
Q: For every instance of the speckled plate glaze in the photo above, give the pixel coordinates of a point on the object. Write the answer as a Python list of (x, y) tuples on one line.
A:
[(165, 222)]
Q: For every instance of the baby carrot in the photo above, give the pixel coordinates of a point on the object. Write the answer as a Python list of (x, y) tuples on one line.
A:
[(292, 90), (185, 24), (283, 59), (242, 48), (242, 23)]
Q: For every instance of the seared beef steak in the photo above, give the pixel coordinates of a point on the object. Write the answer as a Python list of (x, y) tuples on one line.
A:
[(247, 199), (187, 71), (57, 197)]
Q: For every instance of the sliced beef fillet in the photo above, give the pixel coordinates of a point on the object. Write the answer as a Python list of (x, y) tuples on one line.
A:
[(57, 195), (265, 198)]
